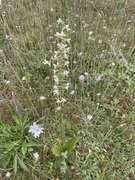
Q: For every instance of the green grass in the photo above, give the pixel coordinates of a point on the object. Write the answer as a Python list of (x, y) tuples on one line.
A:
[(105, 150)]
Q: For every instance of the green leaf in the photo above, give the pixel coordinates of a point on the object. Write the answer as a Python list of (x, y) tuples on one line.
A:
[(68, 125), (8, 160), (6, 146), (21, 163), (30, 144), (64, 154), (57, 150), (71, 143), (30, 149), (15, 164), (25, 122), (40, 119), (16, 119), (24, 148), (26, 125), (6, 133)]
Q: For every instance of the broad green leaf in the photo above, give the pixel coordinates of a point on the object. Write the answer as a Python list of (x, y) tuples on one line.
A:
[(71, 143), (15, 164), (21, 163), (24, 148), (57, 150)]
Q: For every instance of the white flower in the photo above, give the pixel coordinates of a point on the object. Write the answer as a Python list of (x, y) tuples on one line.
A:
[(68, 40), (91, 32), (86, 74), (56, 52), (100, 41), (7, 81), (89, 117), (113, 64), (65, 55), (61, 45), (58, 101), (67, 86), (67, 49), (1, 51), (51, 9), (59, 21), (67, 28), (23, 78), (56, 79), (121, 125), (56, 90), (34, 129), (62, 34), (66, 63), (74, 62), (54, 66), (54, 57), (8, 174), (55, 87), (36, 155), (46, 62), (58, 108), (63, 100), (42, 98), (80, 54), (54, 72), (66, 73), (72, 92)]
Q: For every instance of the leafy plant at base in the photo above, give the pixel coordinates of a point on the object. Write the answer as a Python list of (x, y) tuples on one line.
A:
[(64, 151), (16, 143), (68, 146)]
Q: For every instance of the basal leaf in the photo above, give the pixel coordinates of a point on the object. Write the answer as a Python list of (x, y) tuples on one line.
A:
[(21, 163), (24, 148), (71, 143), (31, 144), (15, 164), (57, 150), (16, 119)]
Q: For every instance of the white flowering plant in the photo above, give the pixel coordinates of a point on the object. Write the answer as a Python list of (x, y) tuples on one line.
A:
[(59, 64), (17, 143)]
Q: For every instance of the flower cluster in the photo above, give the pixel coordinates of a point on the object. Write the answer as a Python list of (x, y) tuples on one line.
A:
[(59, 62)]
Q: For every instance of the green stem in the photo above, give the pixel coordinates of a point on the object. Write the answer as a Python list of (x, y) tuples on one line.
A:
[(61, 126), (61, 96)]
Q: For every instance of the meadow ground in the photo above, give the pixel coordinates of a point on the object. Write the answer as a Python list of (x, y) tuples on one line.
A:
[(69, 66)]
